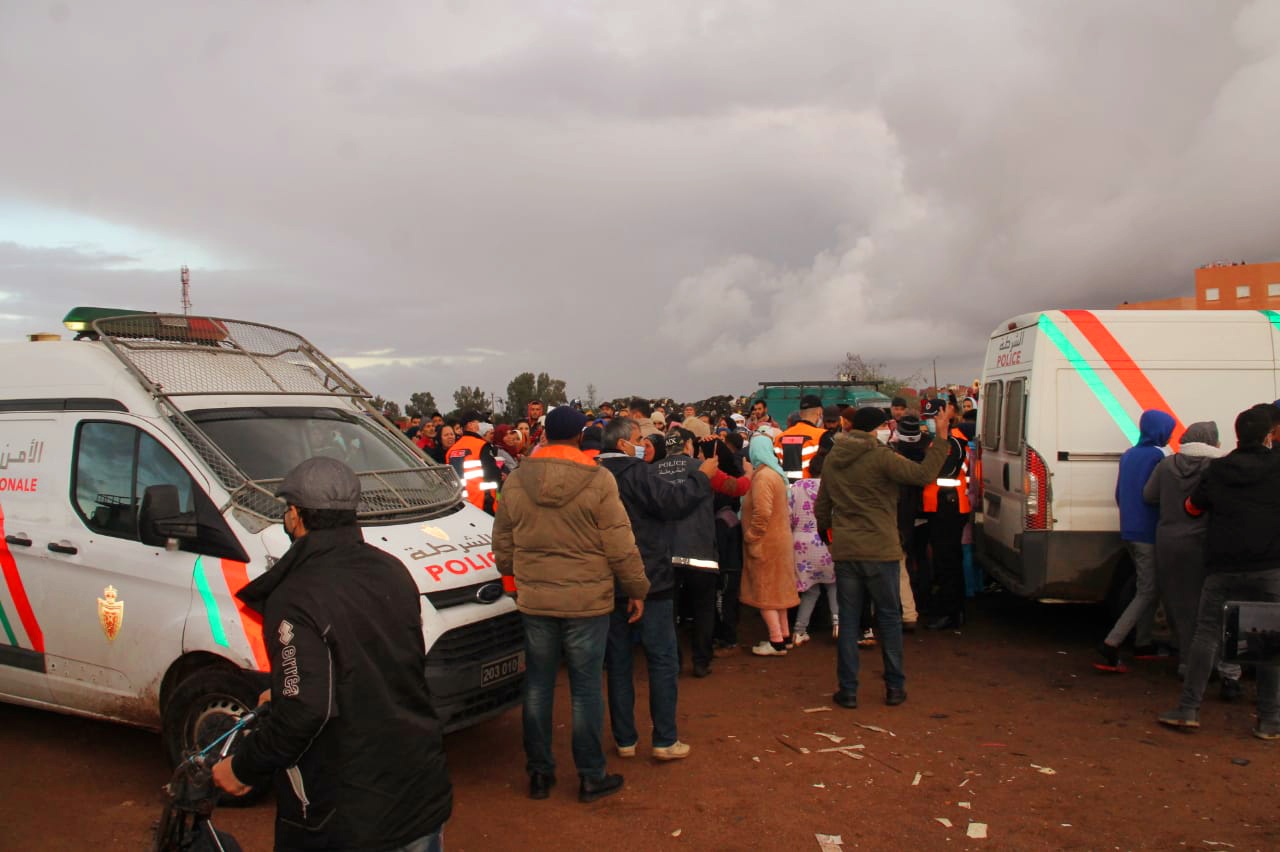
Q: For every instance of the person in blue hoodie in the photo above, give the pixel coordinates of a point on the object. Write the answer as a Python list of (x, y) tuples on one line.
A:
[(1138, 520)]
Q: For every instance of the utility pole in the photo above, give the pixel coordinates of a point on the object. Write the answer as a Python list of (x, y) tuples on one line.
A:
[(935, 373), (186, 289)]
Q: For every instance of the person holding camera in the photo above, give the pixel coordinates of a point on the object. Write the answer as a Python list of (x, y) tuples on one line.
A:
[(694, 552), (352, 740)]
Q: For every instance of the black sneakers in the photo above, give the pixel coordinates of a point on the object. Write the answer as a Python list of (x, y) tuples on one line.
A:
[(540, 785), (895, 695), (845, 699), (1110, 660), (589, 791)]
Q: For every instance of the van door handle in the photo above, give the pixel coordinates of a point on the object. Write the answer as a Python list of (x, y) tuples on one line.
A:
[(19, 540), (63, 547), (1006, 476)]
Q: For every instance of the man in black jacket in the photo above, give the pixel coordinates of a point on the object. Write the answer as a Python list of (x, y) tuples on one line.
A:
[(694, 553), (352, 740), (652, 504), (1241, 493)]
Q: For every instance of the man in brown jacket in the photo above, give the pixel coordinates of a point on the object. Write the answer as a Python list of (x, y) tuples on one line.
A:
[(562, 532), (857, 512)]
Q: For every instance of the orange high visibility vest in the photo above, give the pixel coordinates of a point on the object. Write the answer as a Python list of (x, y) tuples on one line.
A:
[(959, 481), (796, 447), (464, 455)]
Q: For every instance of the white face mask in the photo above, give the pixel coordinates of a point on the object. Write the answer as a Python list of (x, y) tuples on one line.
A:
[(639, 450)]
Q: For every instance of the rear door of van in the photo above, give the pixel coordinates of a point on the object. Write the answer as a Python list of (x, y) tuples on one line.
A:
[(1003, 408)]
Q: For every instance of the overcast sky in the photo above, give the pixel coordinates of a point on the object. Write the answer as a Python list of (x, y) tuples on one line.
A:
[(654, 197)]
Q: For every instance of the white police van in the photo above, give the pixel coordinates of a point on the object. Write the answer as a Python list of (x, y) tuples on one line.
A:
[(1062, 394), (137, 473)]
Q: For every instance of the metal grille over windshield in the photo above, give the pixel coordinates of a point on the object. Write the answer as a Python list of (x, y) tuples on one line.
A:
[(174, 355)]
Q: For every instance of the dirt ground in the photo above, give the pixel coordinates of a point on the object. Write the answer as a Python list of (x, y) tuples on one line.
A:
[(1013, 689)]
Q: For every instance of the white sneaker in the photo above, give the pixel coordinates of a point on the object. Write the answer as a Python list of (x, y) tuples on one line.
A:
[(799, 639), (627, 751), (835, 630), (676, 751), (765, 649)]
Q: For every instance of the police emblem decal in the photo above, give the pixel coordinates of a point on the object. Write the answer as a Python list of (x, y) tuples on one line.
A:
[(110, 613), (434, 532)]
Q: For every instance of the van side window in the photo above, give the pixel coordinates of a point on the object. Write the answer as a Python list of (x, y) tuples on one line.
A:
[(1015, 406), (990, 405), (114, 464)]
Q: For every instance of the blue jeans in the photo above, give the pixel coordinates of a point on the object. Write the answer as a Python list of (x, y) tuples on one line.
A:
[(582, 641), (880, 581), (430, 843), (657, 631), (1218, 589)]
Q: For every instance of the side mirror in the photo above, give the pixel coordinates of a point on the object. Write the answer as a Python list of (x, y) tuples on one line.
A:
[(161, 519)]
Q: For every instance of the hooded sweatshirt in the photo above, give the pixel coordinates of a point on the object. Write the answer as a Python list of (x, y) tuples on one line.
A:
[(1174, 480), (1138, 518), (562, 532), (1241, 493)]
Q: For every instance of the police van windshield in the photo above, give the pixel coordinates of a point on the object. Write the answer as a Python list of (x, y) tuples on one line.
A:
[(266, 443)]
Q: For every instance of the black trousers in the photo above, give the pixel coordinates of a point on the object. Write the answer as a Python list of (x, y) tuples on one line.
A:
[(697, 589), (946, 528), (729, 547)]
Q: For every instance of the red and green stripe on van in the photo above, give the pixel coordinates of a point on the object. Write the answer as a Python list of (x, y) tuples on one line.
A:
[(18, 600), (1134, 381)]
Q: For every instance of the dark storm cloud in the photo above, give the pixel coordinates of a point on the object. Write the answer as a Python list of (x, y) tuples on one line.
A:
[(737, 190)]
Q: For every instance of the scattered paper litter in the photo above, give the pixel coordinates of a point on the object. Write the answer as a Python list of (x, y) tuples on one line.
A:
[(877, 729), (676, 833), (820, 786), (1044, 770), (1218, 843), (835, 738), (852, 754), (965, 781), (946, 823), (816, 709), (915, 782), (977, 830), (829, 842), (756, 759), (968, 806)]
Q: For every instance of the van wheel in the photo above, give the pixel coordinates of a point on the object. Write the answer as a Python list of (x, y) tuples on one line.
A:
[(203, 707)]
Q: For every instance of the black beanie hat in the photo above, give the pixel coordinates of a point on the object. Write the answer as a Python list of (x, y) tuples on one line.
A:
[(867, 419)]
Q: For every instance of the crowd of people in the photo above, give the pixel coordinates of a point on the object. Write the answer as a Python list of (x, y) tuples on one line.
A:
[(864, 506), (616, 527), (1198, 525)]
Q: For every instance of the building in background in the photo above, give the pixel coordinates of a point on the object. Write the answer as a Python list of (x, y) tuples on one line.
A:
[(1224, 287)]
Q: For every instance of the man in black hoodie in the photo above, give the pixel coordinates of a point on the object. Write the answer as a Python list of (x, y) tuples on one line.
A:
[(352, 740), (1241, 494), (652, 504)]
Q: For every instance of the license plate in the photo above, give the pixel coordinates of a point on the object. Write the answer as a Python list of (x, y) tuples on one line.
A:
[(500, 670)]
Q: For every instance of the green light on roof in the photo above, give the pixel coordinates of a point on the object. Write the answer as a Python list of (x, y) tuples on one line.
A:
[(79, 319)]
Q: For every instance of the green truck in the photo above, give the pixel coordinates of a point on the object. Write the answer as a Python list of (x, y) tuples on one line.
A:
[(784, 397)]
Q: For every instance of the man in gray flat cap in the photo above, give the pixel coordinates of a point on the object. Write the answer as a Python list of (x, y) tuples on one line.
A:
[(352, 741)]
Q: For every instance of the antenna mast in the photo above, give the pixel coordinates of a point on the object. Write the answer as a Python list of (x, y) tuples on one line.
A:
[(186, 289)]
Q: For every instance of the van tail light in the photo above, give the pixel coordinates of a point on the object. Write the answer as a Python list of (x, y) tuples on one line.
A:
[(1035, 484)]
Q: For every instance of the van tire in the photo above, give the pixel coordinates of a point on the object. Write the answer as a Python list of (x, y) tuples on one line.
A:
[(203, 706)]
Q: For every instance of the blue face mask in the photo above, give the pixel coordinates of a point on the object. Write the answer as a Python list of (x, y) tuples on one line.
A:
[(639, 450)]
